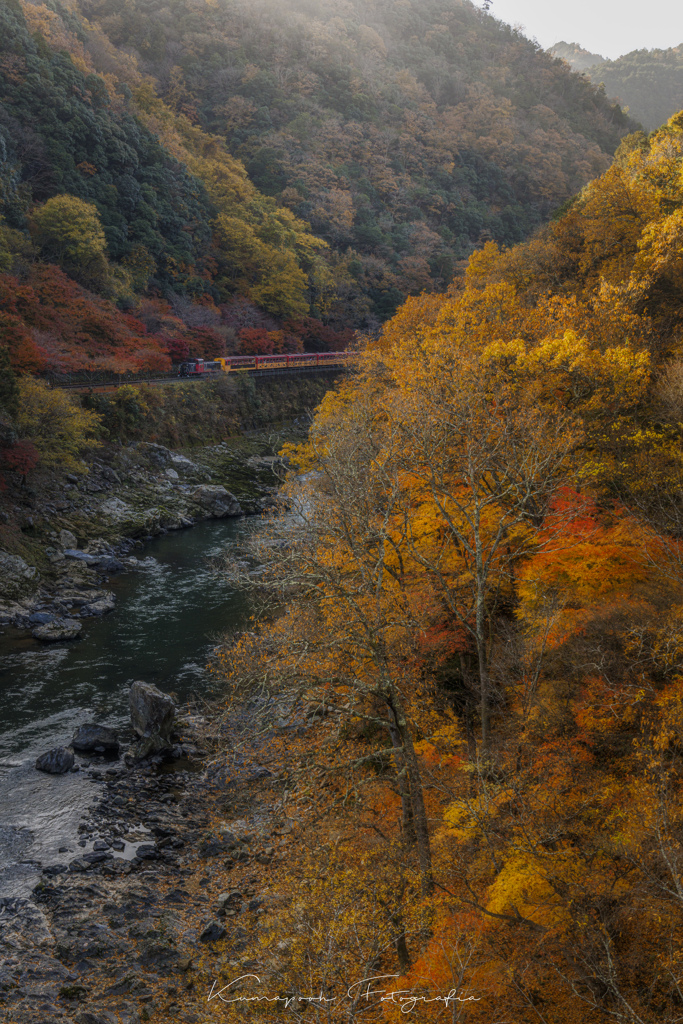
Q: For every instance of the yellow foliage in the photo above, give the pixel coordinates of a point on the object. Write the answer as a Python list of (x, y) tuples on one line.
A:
[(55, 423)]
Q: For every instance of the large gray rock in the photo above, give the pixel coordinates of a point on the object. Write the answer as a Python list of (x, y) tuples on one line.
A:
[(103, 604), (67, 539), (90, 737), (59, 629), (81, 556), (155, 453), (183, 465), (152, 714), (218, 502), (56, 761), (23, 927), (16, 576)]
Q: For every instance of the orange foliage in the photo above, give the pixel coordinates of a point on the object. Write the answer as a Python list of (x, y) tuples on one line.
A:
[(74, 329)]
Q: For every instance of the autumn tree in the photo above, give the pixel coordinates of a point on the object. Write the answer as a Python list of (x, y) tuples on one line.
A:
[(68, 231), (349, 632), (55, 423)]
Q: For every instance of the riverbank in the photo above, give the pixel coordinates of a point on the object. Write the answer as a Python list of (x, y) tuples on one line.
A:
[(118, 936), (136, 930), (63, 537), (180, 881)]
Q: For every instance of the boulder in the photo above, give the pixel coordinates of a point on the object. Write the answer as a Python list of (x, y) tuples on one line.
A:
[(152, 714), (111, 564), (67, 539), (81, 556), (56, 761), (56, 869), (89, 737), (155, 453), (147, 851), (215, 500), (229, 900), (16, 575), (111, 475), (213, 932), (97, 856), (182, 464), (103, 604), (41, 618), (115, 509), (59, 629)]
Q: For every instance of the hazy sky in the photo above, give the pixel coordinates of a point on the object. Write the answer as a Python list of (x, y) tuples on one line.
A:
[(609, 27)]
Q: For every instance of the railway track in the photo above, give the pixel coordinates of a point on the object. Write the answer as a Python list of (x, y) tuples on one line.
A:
[(261, 371)]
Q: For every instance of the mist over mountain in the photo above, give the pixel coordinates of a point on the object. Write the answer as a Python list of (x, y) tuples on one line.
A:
[(406, 134), (575, 55), (291, 168), (648, 82)]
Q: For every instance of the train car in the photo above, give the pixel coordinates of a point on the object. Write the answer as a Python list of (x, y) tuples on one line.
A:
[(281, 361)]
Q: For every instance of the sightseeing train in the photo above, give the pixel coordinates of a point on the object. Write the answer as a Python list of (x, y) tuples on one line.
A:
[(286, 361)]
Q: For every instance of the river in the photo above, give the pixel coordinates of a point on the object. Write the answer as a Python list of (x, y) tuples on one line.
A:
[(168, 616)]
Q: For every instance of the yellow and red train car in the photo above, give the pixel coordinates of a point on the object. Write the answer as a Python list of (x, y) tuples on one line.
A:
[(284, 361)]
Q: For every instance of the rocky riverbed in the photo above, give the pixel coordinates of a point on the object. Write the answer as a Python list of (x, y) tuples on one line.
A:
[(167, 880), (63, 537), (119, 909)]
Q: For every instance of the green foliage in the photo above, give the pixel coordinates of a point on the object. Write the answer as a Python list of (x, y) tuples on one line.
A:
[(68, 231), (5, 256), (649, 82), (186, 414), (156, 179), (60, 133), (404, 134), (9, 390)]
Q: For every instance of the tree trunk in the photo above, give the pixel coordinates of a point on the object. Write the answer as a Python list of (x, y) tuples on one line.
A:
[(484, 712), (402, 780), (424, 852)]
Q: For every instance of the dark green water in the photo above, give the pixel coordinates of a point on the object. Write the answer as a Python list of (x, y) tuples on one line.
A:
[(168, 617), (166, 621)]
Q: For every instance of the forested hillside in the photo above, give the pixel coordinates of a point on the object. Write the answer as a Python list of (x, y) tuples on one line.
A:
[(484, 636), (230, 176), (405, 134), (648, 82), (127, 235)]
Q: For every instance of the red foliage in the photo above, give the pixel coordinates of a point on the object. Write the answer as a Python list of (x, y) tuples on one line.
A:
[(260, 342), (178, 349), (20, 457), (76, 330), (50, 322), (206, 343), (148, 358), (255, 341), (24, 355), (317, 337)]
